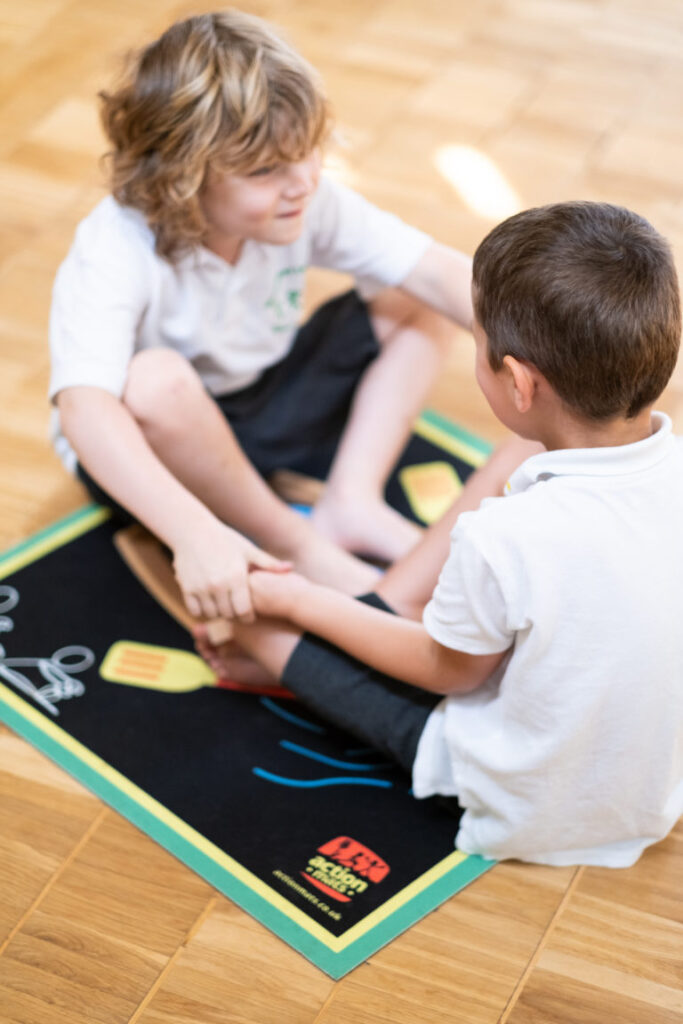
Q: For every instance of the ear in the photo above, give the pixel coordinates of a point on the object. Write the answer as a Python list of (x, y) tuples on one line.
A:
[(523, 381)]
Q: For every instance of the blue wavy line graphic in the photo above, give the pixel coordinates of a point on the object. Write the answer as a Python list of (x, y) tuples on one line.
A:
[(315, 756), (318, 783), (290, 717)]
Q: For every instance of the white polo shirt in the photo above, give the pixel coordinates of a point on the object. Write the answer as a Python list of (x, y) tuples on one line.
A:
[(573, 751), (113, 295)]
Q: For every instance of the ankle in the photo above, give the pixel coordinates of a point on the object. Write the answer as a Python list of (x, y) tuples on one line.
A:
[(298, 540), (351, 495)]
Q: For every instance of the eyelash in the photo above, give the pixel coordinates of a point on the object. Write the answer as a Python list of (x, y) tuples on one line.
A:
[(262, 172)]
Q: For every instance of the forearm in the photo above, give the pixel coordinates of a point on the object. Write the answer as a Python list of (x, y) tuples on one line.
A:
[(398, 647), (112, 448), (443, 280)]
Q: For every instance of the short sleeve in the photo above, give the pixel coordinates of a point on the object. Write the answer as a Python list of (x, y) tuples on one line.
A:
[(351, 235), (98, 299), (467, 610)]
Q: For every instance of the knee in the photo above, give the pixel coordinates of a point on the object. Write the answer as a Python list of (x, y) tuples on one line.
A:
[(159, 383), (395, 314)]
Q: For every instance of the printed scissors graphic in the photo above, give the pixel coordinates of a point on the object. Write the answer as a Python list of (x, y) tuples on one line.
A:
[(57, 669)]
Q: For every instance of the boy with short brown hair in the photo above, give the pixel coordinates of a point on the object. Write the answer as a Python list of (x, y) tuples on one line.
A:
[(542, 688)]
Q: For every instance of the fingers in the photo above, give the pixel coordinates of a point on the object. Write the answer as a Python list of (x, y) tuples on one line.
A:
[(213, 575), (234, 601), (200, 631), (203, 605), (242, 603), (218, 631), (193, 605), (222, 604), (262, 560), (227, 595)]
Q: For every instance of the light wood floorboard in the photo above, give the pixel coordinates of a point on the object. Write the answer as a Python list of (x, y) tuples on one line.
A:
[(564, 99)]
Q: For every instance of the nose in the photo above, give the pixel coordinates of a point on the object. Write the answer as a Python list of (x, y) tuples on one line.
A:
[(301, 178)]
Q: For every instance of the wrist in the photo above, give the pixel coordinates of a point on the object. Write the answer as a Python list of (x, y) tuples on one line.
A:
[(312, 604), (190, 524), (301, 598)]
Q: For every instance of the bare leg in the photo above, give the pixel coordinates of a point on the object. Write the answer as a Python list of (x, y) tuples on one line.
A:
[(191, 437), (390, 396), (256, 655), (408, 584), (230, 661)]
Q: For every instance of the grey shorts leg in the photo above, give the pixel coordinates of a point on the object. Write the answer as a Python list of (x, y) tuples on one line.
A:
[(380, 711)]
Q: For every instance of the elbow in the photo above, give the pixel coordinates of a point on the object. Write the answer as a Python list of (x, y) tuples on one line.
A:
[(448, 686), (443, 682), (459, 673), (64, 403), (460, 684), (70, 406), (450, 682), (79, 402), (68, 401)]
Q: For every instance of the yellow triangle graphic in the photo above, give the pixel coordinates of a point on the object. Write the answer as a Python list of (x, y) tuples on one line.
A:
[(430, 488)]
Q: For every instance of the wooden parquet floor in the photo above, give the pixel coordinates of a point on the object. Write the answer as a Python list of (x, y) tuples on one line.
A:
[(454, 114)]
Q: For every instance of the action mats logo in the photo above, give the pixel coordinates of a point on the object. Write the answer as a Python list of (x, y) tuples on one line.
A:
[(344, 867), (340, 870)]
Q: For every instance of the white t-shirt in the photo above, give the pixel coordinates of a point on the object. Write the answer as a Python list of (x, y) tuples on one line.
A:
[(113, 295), (572, 752)]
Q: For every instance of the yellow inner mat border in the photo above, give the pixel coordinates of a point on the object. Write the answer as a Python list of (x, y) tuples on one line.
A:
[(450, 442), (49, 541), (54, 537), (221, 859)]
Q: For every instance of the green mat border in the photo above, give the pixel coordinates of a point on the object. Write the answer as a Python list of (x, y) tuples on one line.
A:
[(454, 430), (336, 963)]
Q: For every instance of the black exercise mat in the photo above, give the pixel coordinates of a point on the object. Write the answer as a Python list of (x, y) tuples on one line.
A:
[(318, 839)]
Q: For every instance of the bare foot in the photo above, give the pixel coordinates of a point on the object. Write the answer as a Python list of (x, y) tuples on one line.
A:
[(229, 661), (366, 527), (323, 561)]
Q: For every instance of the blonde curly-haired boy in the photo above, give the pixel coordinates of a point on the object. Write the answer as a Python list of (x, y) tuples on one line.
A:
[(180, 372)]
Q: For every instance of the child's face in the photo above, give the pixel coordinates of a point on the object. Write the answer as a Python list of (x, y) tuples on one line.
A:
[(266, 205)]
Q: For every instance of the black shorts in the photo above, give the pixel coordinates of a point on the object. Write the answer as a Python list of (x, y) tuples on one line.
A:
[(383, 712), (293, 416)]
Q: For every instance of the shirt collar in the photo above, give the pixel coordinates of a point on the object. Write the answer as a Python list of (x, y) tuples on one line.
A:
[(613, 461), (199, 256)]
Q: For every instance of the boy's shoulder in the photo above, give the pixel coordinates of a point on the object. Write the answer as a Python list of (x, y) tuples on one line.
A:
[(110, 222), (335, 202), (329, 198), (112, 245), (508, 522), (583, 494)]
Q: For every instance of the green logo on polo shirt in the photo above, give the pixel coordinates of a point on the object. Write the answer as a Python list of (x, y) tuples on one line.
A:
[(284, 305)]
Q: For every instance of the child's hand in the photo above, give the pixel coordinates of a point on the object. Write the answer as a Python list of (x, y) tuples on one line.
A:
[(276, 594), (212, 568)]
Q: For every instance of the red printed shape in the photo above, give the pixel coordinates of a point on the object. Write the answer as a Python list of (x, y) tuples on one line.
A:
[(332, 893), (358, 858)]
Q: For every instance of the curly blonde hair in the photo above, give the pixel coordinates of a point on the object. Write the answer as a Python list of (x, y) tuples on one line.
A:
[(220, 90)]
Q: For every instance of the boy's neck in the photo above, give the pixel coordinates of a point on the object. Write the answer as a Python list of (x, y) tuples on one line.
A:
[(227, 247), (569, 432)]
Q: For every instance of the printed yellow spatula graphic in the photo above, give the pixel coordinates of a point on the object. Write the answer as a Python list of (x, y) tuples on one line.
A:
[(157, 668), (166, 668)]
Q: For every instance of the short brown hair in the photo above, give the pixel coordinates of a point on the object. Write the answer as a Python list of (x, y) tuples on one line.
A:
[(218, 89), (588, 293)]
